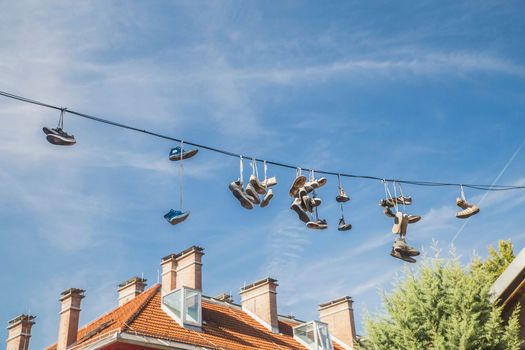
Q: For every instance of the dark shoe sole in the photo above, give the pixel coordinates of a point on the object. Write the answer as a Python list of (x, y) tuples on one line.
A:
[(302, 215), (245, 202), (402, 257), (60, 140), (185, 155), (266, 200), (345, 227)]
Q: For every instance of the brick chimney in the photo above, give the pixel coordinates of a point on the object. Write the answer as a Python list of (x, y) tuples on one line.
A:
[(339, 315), (19, 332), (259, 300), (69, 317), (169, 273), (130, 289), (189, 268), (182, 269)]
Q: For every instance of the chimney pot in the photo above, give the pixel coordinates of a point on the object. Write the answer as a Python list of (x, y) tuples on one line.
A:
[(19, 332), (129, 289), (227, 297), (339, 315), (69, 317), (259, 300)]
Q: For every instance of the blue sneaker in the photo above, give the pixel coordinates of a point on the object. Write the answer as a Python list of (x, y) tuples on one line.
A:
[(175, 153), (175, 217)]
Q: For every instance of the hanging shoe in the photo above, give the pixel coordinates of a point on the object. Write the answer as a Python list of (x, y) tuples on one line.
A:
[(267, 198), (317, 183), (401, 246), (176, 153), (342, 196), (175, 217), (468, 209), (413, 219), (236, 188), (319, 224), (252, 194), (272, 181), (403, 257), (257, 185), (404, 226), (398, 221), (297, 184), (306, 203), (404, 200), (388, 212), (296, 206), (387, 203), (315, 202), (59, 137), (343, 226)]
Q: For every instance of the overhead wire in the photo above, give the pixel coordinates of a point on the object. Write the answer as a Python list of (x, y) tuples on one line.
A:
[(275, 163)]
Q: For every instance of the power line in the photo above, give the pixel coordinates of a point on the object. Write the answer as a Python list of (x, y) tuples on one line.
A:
[(232, 154)]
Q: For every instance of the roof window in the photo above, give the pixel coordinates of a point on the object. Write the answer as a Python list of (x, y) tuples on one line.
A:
[(184, 306), (313, 335)]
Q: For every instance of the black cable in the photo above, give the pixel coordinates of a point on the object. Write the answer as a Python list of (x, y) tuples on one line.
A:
[(283, 165)]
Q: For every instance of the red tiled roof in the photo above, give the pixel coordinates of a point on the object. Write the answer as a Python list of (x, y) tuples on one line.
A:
[(225, 326)]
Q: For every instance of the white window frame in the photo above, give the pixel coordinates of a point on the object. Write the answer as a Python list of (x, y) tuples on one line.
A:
[(183, 320), (317, 337)]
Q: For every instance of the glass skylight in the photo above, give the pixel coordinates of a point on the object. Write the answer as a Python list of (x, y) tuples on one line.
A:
[(314, 335), (184, 306)]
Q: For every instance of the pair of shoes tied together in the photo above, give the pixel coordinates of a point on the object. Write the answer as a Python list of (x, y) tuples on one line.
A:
[(305, 204), (250, 196)]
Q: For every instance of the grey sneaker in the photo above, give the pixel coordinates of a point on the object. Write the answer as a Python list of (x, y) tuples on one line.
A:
[(252, 194), (297, 184), (236, 189), (296, 206), (406, 258), (257, 185), (343, 226), (267, 198), (318, 224), (403, 248)]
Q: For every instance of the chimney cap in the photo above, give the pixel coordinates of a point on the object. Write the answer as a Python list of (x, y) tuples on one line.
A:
[(258, 283), (185, 251), (135, 279), (21, 318), (336, 301), (72, 291)]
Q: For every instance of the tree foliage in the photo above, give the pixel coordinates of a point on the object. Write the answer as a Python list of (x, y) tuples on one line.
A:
[(443, 305)]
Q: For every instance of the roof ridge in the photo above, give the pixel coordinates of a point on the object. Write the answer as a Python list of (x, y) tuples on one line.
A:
[(140, 307)]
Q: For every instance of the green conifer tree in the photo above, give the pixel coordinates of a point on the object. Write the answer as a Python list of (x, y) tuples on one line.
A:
[(442, 305)]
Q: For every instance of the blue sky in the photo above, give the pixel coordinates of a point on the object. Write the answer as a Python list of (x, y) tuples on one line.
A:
[(427, 91)]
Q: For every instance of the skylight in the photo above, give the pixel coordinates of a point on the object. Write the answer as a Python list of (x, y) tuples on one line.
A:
[(184, 306), (313, 335)]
